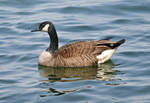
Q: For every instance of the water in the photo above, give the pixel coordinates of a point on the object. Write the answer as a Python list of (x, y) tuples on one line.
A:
[(124, 79)]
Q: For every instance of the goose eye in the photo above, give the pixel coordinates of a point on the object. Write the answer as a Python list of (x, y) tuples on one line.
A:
[(41, 26)]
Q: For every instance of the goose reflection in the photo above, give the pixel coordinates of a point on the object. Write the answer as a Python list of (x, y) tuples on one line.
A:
[(101, 72), (56, 92)]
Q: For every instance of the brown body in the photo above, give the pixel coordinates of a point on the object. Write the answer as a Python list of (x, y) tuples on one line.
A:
[(76, 54)]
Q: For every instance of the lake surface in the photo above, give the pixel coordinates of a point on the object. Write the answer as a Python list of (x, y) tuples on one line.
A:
[(123, 79)]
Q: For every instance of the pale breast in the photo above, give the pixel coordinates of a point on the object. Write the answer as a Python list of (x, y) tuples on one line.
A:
[(45, 58)]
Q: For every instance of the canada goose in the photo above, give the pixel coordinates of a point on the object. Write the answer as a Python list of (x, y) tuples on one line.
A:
[(75, 54)]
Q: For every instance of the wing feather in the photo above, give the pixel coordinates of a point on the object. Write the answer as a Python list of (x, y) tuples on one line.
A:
[(84, 48), (81, 53)]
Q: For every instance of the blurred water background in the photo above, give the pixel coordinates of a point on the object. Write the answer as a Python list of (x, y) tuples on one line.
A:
[(123, 79)]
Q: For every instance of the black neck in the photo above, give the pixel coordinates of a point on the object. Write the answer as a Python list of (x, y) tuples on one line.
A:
[(53, 47)]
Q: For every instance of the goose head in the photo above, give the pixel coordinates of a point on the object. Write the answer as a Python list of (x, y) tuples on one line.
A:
[(45, 26)]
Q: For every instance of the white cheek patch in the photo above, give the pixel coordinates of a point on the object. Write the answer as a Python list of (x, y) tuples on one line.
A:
[(105, 55), (45, 28)]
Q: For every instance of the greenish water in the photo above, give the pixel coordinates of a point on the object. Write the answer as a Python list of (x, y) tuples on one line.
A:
[(124, 79)]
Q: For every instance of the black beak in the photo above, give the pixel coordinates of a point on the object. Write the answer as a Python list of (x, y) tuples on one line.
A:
[(35, 30)]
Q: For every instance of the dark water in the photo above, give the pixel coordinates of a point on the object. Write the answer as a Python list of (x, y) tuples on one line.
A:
[(124, 79)]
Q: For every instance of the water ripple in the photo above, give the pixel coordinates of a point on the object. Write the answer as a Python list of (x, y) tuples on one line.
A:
[(124, 79)]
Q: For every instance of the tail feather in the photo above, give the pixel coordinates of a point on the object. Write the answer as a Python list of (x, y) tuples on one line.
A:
[(118, 43)]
